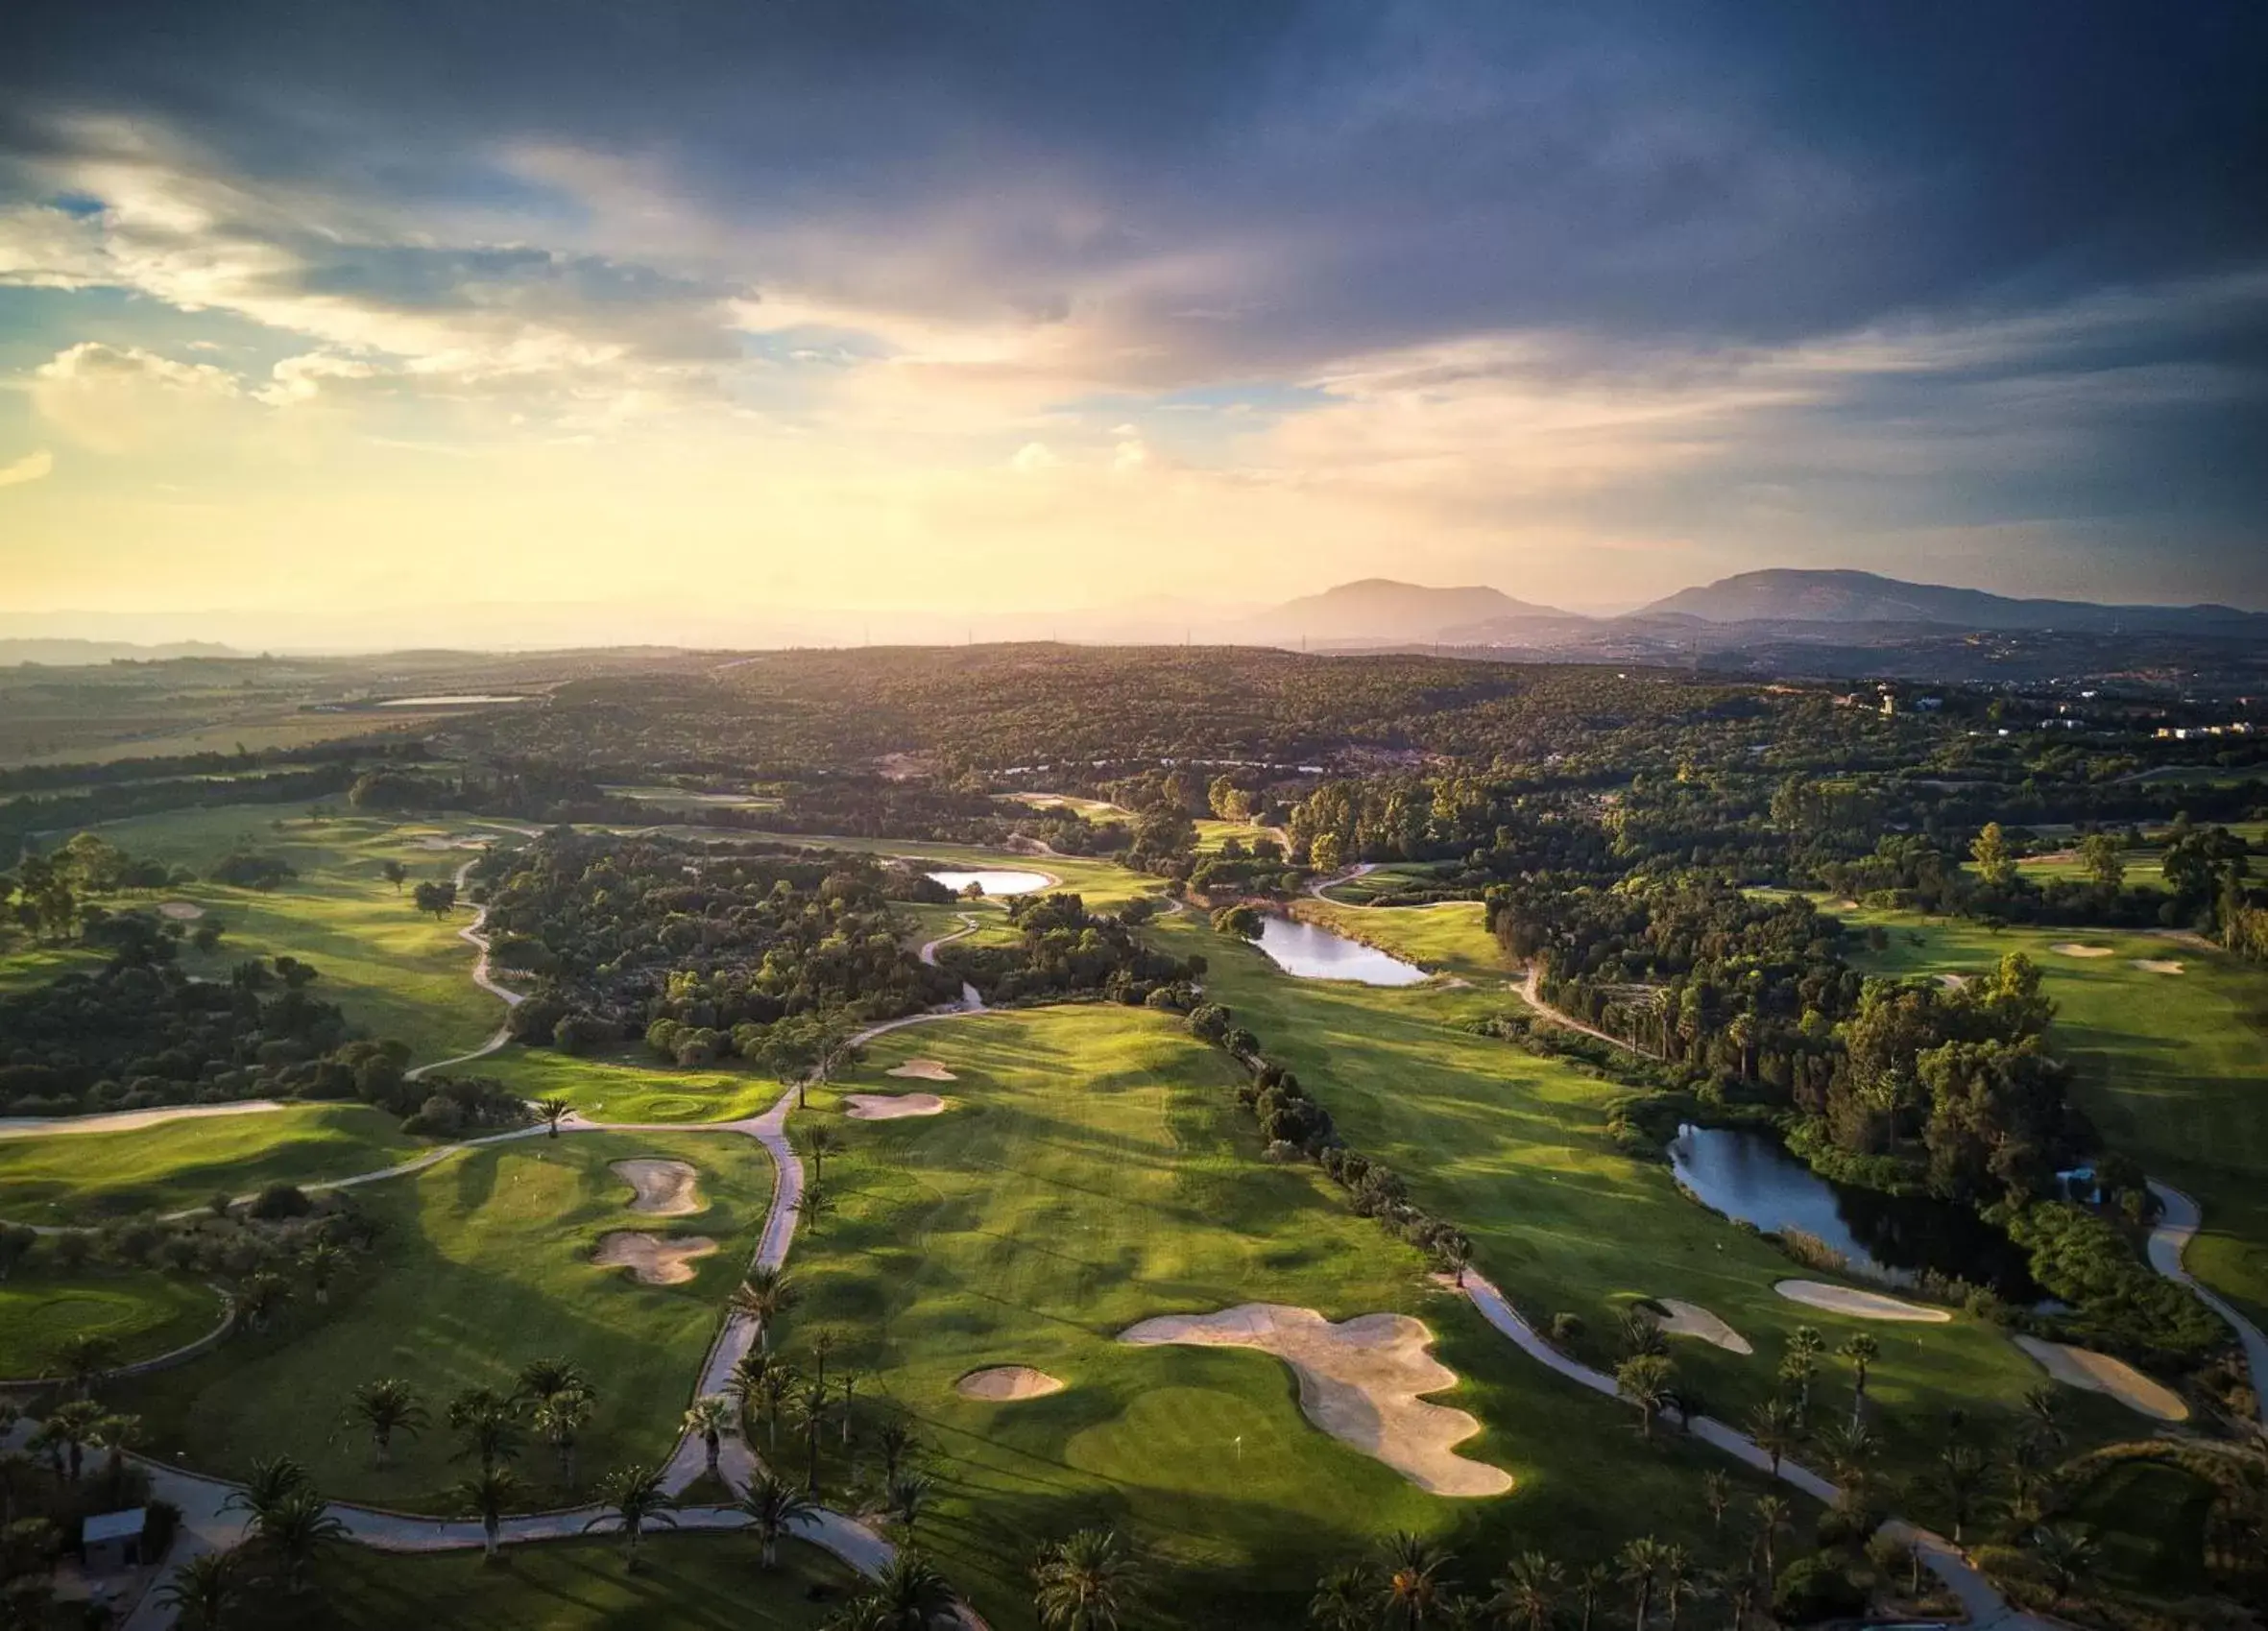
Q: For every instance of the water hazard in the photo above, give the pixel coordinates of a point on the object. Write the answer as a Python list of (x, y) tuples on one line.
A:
[(993, 882), (1313, 952)]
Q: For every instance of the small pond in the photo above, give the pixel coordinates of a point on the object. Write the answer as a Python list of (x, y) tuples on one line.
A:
[(993, 882), (1313, 952), (447, 702), (1751, 1176)]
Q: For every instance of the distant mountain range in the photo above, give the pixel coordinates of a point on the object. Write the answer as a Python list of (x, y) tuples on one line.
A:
[(1783, 596), (86, 654), (1380, 609)]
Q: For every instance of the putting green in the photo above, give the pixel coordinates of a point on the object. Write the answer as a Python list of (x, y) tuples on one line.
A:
[(1093, 1173), (81, 1178), (481, 1264), (633, 1085), (144, 1313)]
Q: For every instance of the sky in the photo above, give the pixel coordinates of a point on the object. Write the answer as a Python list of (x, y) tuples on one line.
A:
[(667, 319)]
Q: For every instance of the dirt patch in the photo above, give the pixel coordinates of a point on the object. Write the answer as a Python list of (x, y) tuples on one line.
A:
[(1361, 1381), (2158, 966), (2100, 1373), (663, 1189), (1005, 1384), (2072, 948), (653, 1259), (1691, 1319), (1858, 1304), (923, 1071), (182, 911), (890, 1107)]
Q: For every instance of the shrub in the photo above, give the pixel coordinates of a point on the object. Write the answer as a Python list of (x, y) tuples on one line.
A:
[(279, 1201), (1815, 1587)]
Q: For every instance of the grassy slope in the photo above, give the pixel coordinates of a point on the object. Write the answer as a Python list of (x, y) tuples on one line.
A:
[(145, 1312), (1448, 937), (483, 1264), (2173, 1068), (632, 1086), (1360, 891), (83, 1178), (1093, 1172), (710, 1582), (1514, 1149)]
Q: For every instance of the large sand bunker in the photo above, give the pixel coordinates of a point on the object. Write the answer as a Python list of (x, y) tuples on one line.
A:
[(1858, 1304), (2072, 948), (2158, 966), (1004, 1385), (1691, 1319), (923, 1071), (182, 911), (664, 1189), (1360, 1381), (2100, 1373), (653, 1259), (890, 1107)]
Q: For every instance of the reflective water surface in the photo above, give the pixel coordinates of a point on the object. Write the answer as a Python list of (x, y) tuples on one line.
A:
[(1316, 953)]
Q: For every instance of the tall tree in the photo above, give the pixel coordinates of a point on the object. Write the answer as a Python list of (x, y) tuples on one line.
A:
[(634, 1497), (1087, 1582), (773, 1509)]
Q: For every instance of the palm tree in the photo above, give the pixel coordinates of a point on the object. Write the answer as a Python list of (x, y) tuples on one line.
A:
[(744, 1384), (1640, 1333), (1861, 1350), (822, 1342), (1801, 1366), (1738, 1588), (561, 1418), (1644, 1380), (485, 1420), (2044, 1408), (1776, 1428), (485, 1497), (296, 1528), (1678, 1586), (554, 1110), (896, 1441), (69, 1427), (321, 1261), (83, 1357), (1455, 1254), (1772, 1516), (1962, 1472), (634, 1498), (813, 1204), (1717, 1496), (763, 1296), (260, 1295), (1345, 1600), (1589, 1587), (868, 1613), (824, 1142), (849, 1384), (1525, 1591), (1413, 1586), (811, 1404), (709, 1416), (774, 1508), (116, 1434), (1639, 1565), (1850, 1448), (906, 1495), (2065, 1553), (203, 1590), (273, 1482), (540, 1379), (778, 1383), (386, 1406), (911, 1595), (1085, 1582)]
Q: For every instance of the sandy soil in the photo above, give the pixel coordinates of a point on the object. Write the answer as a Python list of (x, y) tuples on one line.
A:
[(1360, 1381), (2100, 1373), (126, 1120), (890, 1107), (652, 1259), (1858, 1304), (2158, 966), (182, 911), (1691, 1319), (664, 1189), (2072, 948), (1005, 1384), (923, 1071)]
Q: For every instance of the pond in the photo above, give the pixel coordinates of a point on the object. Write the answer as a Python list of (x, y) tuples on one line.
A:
[(993, 882), (447, 702), (1313, 952), (1751, 1176)]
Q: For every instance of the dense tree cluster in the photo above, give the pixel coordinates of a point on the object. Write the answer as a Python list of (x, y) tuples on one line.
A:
[(1064, 951), (51, 897)]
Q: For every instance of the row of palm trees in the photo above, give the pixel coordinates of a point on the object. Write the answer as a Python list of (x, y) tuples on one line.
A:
[(553, 1397), (1409, 1584)]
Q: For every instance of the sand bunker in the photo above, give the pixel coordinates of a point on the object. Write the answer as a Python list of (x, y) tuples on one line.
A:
[(2100, 1373), (664, 1189), (1360, 1381), (437, 841), (1691, 1319), (2158, 966), (923, 1071), (1004, 1385), (890, 1107), (653, 1259), (1859, 1305), (182, 911), (1953, 982), (2071, 949)]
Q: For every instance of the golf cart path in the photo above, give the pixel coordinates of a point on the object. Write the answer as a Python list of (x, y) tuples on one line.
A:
[(2179, 1220), (471, 935), (1530, 989)]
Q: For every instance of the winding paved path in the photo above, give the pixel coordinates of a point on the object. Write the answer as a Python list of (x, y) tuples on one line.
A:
[(2178, 1222), (472, 936)]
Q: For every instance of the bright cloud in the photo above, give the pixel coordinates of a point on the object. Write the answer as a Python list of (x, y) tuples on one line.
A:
[(32, 466)]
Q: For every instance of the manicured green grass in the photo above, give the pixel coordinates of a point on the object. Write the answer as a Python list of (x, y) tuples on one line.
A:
[(144, 1313), (481, 1264), (25, 964), (699, 1580), (1449, 937), (400, 973), (2149, 1519), (1093, 1172), (926, 924), (2172, 1068), (81, 1178), (632, 1085), (1514, 1150), (1362, 891)]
